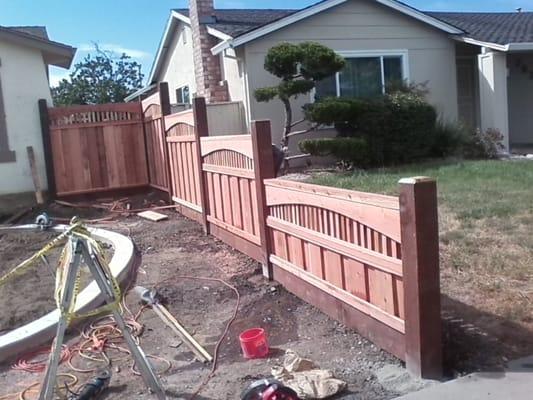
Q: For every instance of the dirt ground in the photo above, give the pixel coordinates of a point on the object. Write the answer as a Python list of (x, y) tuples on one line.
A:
[(176, 248)]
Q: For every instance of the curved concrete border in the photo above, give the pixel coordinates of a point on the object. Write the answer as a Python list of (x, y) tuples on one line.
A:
[(42, 330)]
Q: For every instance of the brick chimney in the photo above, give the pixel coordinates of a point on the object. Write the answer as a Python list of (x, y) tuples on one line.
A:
[(207, 69)]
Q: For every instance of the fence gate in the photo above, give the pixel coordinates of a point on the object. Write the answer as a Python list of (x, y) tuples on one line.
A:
[(94, 148)]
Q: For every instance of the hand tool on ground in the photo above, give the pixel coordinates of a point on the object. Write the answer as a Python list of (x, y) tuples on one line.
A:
[(151, 298), (94, 388), (81, 246), (268, 389)]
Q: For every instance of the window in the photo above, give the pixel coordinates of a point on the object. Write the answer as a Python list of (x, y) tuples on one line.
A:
[(182, 95), (364, 75)]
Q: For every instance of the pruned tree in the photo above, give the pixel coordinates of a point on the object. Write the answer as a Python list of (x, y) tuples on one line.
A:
[(299, 67), (100, 78)]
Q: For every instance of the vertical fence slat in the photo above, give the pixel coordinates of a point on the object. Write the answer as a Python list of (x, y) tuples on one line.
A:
[(420, 256)]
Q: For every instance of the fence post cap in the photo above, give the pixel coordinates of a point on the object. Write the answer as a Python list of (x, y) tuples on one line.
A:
[(415, 179)]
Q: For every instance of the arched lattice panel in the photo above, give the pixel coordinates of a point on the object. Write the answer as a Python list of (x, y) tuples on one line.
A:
[(337, 226), (180, 129), (229, 159)]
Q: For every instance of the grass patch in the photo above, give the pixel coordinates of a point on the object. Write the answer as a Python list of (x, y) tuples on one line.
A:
[(472, 189), (486, 220)]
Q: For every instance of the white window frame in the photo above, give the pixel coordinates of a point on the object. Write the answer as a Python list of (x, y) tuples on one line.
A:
[(374, 53), (181, 87)]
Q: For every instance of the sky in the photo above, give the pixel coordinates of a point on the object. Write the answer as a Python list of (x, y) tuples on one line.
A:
[(136, 26)]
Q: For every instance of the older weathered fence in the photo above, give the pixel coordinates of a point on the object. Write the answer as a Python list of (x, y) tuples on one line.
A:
[(369, 261), (94, 148)]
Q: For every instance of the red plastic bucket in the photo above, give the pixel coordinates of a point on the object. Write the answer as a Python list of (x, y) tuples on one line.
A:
[(254, 343)]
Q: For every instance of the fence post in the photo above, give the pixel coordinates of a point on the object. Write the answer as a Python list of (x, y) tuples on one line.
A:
[(164, 102), (47, 148), (420, 259), (263, 169), (201, 129), (145, 141)]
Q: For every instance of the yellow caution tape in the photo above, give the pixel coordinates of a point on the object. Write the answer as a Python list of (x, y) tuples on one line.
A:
[(75, 230)]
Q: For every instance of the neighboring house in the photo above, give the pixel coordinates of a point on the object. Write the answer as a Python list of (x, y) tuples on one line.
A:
[(25, 54), (478, 66)]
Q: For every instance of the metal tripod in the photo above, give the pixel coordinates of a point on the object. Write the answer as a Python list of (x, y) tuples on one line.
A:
[(81, 249)]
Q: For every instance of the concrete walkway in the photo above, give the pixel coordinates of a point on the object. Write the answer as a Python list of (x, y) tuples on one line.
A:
[(515, 383)]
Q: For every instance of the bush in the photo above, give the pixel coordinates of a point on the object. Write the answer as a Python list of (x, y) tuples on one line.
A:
[(351, 150), (483, 145), (450, 139), (396, 128)]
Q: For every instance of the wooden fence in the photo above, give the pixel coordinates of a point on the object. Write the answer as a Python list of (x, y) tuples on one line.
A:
[(93, 148), (369, 261)]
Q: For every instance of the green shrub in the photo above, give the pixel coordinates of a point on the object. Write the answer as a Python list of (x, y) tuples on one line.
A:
[(483, 145), (450, 139), (352, 150), (396, 128)]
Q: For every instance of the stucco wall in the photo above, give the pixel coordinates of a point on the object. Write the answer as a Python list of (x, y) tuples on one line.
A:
[(520, 92), (233, 75), (24, 81), (362, 25), (178, 69)]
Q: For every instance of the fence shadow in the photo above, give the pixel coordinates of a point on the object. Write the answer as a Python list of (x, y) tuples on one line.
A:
[(475, 340)]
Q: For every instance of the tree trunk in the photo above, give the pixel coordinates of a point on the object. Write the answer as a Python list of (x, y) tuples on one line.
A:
[(285, 138)]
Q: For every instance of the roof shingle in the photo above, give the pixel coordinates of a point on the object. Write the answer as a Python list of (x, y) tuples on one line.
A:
[(236, 22), (500, 28)]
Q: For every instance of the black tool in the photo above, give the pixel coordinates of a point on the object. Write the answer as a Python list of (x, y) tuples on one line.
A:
[(268, 389), (94, 388)]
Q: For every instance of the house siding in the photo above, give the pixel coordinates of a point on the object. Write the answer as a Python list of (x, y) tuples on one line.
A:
[(178, 69), (361, 25), (24, 81)]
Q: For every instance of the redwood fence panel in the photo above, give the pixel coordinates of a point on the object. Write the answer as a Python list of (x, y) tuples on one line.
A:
[(96, 148), (228, 168), (154, 132), (343, 243), (365, 261), (184, 164)]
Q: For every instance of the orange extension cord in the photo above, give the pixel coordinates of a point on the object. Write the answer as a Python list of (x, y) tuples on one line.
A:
[(103, 334)]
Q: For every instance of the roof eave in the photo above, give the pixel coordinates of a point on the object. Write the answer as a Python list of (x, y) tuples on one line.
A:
[(481, 43), (325, 5), (140, 92), (54, 53)]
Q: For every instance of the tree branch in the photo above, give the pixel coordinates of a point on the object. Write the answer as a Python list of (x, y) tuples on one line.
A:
[(297, 122), (297, 156), (303, 132)]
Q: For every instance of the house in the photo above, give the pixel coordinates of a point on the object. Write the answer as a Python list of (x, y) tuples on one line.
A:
[(478, 67), (25, 54)]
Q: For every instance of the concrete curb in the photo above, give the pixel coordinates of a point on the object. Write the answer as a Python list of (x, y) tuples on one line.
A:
[(42, 330)]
